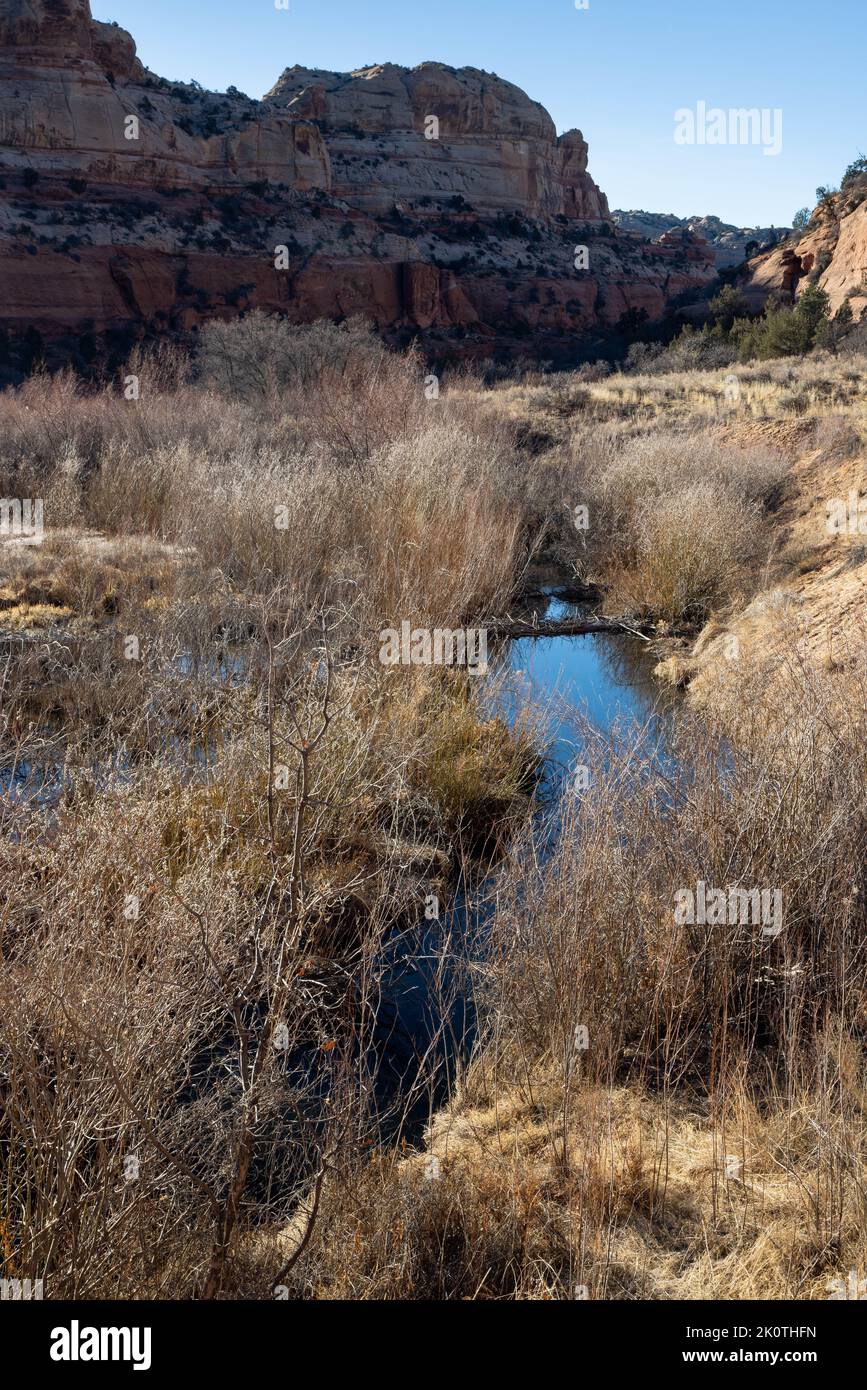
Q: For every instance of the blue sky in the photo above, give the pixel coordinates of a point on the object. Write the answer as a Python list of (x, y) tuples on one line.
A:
[(618, 70)]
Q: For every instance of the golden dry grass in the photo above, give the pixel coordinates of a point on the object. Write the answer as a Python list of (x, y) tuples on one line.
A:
[(151, 1033)]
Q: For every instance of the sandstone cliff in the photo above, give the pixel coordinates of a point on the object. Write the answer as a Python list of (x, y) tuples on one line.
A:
[(415, 135), (832, 249), (441, 203), (68, 86)]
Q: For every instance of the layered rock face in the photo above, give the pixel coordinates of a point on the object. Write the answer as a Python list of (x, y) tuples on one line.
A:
[(433, 131), (69, 86), (438, 202)]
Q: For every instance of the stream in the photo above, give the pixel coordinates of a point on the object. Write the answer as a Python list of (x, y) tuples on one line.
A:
[(586, 686), (579, 687)]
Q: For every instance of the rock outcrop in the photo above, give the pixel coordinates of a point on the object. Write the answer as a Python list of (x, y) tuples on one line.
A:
[(831, 251), (439, 202), (415, 135), (729, 242), (75, 101)]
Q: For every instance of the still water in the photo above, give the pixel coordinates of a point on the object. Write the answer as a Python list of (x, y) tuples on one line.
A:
[(583, 689)]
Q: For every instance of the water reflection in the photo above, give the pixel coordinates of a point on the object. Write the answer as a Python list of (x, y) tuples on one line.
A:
[(585, 691)]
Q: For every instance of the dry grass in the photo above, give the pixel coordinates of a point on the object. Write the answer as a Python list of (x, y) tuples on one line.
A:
[(219, 804), (209, 847), (814, 386), (677, 521), (653, 1200), (709, 1140)]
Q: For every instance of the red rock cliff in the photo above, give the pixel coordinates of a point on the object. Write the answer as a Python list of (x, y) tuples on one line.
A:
[(439, 202)]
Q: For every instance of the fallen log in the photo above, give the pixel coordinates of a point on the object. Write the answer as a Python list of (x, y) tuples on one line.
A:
[(577, 626)]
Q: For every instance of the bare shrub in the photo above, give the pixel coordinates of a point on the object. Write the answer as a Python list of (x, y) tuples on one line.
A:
[(675, 520), (215, 852), (261, 353), (692, 550), (594, 938), (837, 435)]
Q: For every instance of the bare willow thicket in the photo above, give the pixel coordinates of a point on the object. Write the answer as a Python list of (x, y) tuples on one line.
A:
[(221, 818)]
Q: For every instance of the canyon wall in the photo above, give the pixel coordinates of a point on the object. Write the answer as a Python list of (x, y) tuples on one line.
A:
[(438, 202)]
